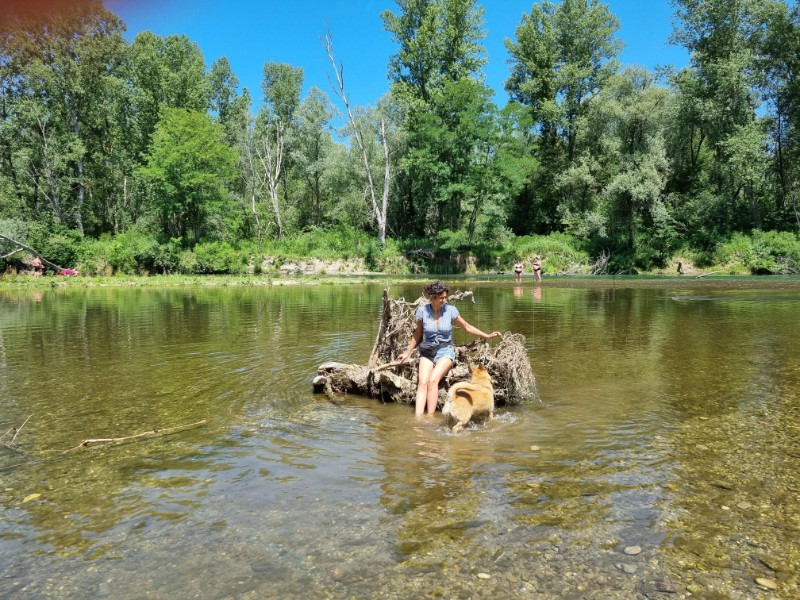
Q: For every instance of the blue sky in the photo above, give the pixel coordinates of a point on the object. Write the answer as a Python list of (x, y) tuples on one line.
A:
[(250, 32)]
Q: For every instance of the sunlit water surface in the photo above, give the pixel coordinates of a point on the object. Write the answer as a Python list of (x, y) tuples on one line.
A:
[(667, 421)]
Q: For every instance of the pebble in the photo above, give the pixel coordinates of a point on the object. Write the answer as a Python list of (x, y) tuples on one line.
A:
[(484, 576), (535, 448), (666, 587), (633, 550), (766, 583), (626, 568), (31, 497), (744, 505)]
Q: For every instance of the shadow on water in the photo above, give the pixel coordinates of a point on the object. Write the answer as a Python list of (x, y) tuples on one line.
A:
[(668, 428)]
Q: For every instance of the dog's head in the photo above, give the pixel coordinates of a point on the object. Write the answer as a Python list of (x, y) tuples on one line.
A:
[(480, 374)]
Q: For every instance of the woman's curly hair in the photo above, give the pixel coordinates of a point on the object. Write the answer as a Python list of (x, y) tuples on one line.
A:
[(436, 288)]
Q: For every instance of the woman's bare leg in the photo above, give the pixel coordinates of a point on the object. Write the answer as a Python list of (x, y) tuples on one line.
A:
[(439, 370), (425, 370)]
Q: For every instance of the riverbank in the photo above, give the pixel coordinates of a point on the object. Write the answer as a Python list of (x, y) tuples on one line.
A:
[(651, 280)]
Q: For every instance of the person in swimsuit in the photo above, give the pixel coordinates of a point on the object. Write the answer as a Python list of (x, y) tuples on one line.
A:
[(38, 266), (537, 267), (435, 326), (518, 266)]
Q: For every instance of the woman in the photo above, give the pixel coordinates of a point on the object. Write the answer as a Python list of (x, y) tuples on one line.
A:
[(537, 267), (518, 266), (434, 336)]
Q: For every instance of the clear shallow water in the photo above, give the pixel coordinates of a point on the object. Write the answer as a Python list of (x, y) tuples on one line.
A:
[(669, 421)]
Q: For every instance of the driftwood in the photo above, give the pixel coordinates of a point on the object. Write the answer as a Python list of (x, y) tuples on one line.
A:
[(87, 443), (138, 436), (11, 444), (391, 380)]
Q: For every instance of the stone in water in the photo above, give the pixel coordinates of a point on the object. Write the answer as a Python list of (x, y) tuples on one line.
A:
[(766, 583)]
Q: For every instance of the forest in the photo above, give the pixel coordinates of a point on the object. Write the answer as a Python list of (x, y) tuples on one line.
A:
[(126, 157)]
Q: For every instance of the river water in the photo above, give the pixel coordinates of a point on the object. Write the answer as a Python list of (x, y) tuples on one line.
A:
[(661, 458)]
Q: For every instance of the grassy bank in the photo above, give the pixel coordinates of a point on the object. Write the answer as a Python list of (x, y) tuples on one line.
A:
[(324, 254)]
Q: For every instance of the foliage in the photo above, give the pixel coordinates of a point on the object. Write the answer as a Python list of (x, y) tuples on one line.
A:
[(345, 242), (762, 252), (131, 157), (187, 167), (130, 253), (62, 247), (560, 253), (217, 258)]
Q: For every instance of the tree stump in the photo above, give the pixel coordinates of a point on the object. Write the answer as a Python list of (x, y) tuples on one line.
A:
[(385, 378)]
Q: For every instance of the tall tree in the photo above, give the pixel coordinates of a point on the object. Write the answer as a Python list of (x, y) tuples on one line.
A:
[(165, 72), (281, 86), (778, 44), (626, 138), (312, 145), (722, 82), (187, 171), (226, 103), (61, 89), (437, 77), (562, 56), (362, 144)]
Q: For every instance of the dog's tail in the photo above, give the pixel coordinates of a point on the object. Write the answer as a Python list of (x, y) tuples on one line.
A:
[(464, 394)]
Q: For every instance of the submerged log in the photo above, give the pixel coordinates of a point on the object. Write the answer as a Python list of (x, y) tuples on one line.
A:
[(386, 378)]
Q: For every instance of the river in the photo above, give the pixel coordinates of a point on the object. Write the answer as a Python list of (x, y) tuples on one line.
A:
[(660, 459)]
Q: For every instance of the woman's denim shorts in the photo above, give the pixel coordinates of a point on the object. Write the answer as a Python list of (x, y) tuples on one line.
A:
[(445, 352)]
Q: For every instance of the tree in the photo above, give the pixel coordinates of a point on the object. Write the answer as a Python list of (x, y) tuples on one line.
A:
[(379, 208), (721, 83), (312, 145), (439, 40), (778, 44), (627, 129), (165, 72), (227, 105), (188, 167), (563, 55), (62, 89), (448, 116), (281, 86)]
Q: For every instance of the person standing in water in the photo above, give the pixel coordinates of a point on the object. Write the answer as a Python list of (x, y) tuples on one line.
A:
[(537, 267), (518, 267), (434, 337)]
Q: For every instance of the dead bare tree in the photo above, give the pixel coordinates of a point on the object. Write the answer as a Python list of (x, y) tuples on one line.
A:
[(601, 263), (270, 155), (379, 210)]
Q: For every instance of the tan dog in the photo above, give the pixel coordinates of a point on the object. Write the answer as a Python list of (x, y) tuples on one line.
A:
[(468, 399)]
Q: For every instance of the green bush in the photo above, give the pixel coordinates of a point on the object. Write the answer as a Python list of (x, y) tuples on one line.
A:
[(775, 252), (130, 252), (187, 262), (218, 258), (62, 248), (345, 242), (561, 253), (762, 252)]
